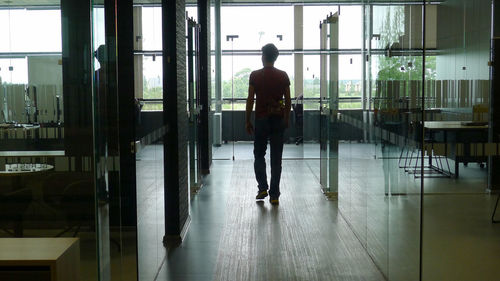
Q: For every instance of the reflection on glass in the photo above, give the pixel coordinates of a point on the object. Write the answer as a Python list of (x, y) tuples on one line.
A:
[(149, 162), (46, 181)]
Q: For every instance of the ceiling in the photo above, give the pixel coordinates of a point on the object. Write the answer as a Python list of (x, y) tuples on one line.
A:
[(42, 3)]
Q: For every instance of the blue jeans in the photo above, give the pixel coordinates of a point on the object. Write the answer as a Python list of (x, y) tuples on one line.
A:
[(271, 128)]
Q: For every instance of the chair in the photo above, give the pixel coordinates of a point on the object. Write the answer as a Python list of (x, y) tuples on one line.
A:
[(416, 129), (13, 206), (495, 211), (480, 113), (78, 204)]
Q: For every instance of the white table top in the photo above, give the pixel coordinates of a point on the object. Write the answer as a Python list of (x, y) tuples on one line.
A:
[(450, 125), (32, 153), (25, 169), (19, 126)]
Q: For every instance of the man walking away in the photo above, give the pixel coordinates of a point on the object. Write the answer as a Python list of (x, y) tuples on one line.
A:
[(269, 86)]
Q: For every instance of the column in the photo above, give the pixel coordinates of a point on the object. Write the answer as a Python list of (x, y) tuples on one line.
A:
[(494, 125), (298, 31), (175, 118), (205, 85), (217, 133)]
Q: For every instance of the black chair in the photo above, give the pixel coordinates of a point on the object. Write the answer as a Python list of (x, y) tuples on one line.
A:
[(13, 206), (429, 171), (78, 204)]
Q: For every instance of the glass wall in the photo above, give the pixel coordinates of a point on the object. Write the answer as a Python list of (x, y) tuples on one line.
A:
[(414, 185), (457, 210), (149, 135), (240, 56)]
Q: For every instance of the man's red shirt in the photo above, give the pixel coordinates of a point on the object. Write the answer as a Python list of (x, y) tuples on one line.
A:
[(270, 85)]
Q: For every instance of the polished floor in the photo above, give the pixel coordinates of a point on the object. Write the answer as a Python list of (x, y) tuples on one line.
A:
[(366, 235), (233, 237)]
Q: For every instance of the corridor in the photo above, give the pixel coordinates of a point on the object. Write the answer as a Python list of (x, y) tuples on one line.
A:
[(233, 237)]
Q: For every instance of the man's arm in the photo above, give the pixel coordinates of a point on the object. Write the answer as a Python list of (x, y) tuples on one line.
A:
[(288, 106), (248, 115)]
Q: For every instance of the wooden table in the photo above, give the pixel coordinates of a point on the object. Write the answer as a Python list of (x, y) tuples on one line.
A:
[(463, 134), (54, 259)]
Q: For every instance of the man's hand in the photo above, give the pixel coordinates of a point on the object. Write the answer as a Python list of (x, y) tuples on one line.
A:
[(249, 127)]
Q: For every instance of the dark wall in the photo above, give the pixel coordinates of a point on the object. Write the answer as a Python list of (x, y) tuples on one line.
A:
[(233, 122), (150, 121)]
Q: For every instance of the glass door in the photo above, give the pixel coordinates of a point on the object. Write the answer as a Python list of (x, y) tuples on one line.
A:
[(193, 59), (393, 82), (329, 102)]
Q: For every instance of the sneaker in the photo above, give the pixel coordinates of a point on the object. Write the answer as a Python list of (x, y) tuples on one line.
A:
[(261, 195), (274, 201)]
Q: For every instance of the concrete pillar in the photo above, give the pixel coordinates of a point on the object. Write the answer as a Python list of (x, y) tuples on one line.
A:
[(175, 119)]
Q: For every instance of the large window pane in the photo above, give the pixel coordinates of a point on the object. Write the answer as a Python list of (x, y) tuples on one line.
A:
[(151, 28), (257, 26), (350, 26), (30, 30), (236, 73), (153, 82)]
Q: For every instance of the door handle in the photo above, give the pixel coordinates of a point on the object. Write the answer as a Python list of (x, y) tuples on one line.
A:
[(134, 146)]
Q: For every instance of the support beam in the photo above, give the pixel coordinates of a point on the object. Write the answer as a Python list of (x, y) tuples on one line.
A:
[(77, 78), (205, 85), (494, 123), (217, 118), (298, 30), (218, 58), (126, 112), (138, 60)]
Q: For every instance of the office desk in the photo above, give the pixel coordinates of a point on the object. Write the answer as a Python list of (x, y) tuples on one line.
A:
[(454, 132), (54, 259)]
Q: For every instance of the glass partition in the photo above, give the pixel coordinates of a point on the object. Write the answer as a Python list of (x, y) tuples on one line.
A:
[(149, 134), (458, 204)]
